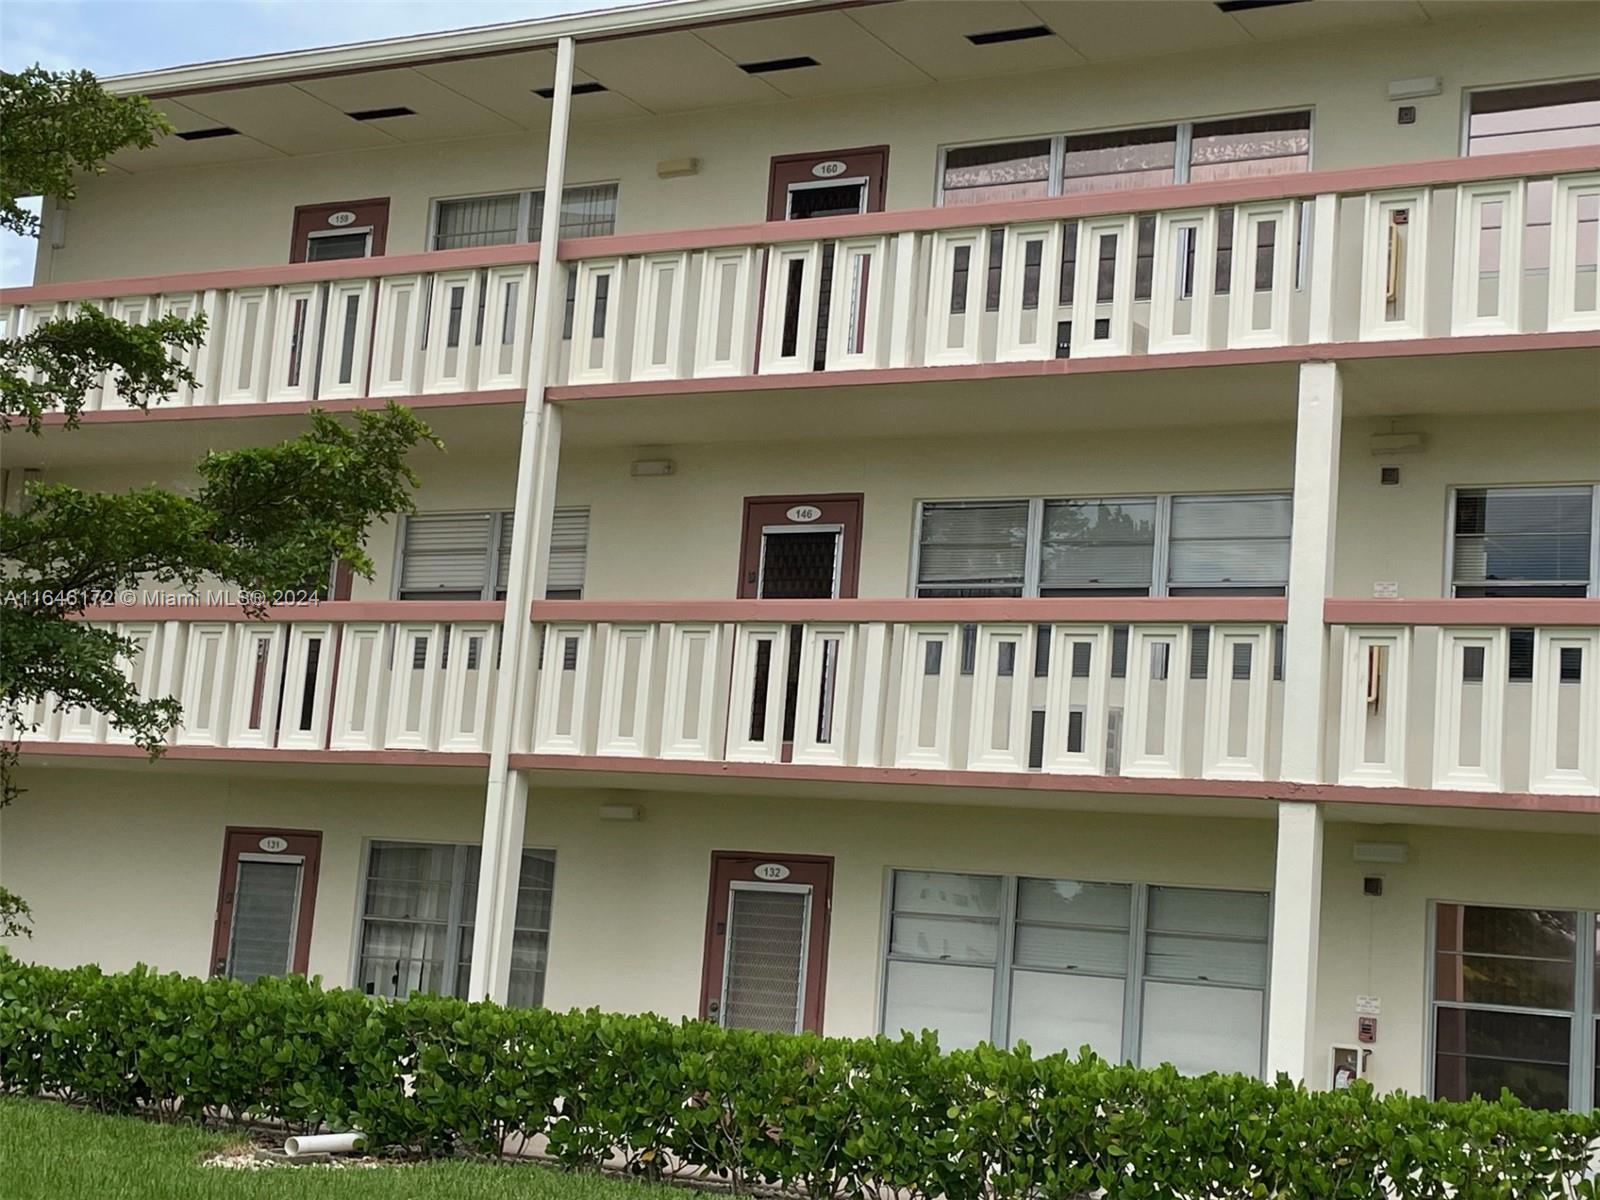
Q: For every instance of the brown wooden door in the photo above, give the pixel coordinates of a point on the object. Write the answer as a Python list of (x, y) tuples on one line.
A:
[(800, 547), (342, 229), (265, 902), (827, 184), (766, 961)]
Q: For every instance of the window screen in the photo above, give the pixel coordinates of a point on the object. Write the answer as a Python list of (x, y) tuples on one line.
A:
[(1002, 171), (975, 549), (1504, 1001), (1523, 541), (1098, 547), (417, 915), (1229, 543), (476, 221)]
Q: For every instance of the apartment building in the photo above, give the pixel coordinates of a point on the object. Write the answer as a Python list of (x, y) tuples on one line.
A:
[(1047, 521)]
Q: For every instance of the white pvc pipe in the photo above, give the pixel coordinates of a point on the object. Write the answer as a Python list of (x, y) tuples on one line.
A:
[(325, 1143)]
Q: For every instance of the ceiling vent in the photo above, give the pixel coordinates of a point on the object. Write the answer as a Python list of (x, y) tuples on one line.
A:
[(1021, 33), (380, 114), (1233, 6), (201, 135), (778, 64), (587, 88)]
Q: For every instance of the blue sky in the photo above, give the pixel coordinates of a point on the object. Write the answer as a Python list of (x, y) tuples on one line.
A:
[(113, 37)]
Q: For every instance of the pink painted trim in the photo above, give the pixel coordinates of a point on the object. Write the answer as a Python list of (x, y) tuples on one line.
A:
[(1437, 172), (330, 610), (514, 254), (290, 408), (1033, 781), (1531, 611), (265, 754), (1050, 367), (1032, 610)]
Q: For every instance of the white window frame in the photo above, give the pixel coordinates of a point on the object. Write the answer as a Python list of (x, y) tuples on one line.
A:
[(524, 206), (1160, 584), (1584, 1045), (455, 908), (1005, 953), (1448, 584)]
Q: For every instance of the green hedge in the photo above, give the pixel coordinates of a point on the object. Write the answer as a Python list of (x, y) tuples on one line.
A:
[(820, 1115)]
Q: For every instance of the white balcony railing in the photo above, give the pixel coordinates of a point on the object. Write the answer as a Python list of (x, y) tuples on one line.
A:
[(1422, 694), (1460, 248), (317, 679), (1435, 700), (919, 685)]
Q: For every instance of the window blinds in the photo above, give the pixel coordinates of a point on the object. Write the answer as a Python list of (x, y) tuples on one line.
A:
[(445, 556), (476, 221), (589, 210), (1098, 545), (973, 549), (1523, 541), (1229, 542), (569, 554)]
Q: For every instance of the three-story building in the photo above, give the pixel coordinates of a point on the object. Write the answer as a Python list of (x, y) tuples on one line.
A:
[(1045, 521)]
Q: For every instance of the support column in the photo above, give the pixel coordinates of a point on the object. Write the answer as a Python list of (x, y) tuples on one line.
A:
[(1316, 502), (506, 801), (1297, 886), (1296, 924)]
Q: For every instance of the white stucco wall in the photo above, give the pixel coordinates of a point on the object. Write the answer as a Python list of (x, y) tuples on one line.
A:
[(122, 866)]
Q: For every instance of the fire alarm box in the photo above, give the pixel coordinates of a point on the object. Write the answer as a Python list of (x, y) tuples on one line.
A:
[(1367, 1029)]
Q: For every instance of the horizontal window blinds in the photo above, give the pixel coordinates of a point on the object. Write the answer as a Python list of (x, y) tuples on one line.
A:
[(1523, 536), (1094, 544), (569, 553), (973, 549), (1221, 541), (446, 552)]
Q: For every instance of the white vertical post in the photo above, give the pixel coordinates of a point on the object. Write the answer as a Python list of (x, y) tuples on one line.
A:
[(903, 300), (1297, 889), (1324, 249), (506, 803), (1296, 919), (1316, 501)]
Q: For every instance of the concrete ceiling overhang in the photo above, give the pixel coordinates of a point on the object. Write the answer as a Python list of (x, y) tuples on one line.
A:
[(686, 55)]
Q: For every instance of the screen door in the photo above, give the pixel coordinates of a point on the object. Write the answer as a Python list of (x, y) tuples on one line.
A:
[(267, 897), (766, 942)]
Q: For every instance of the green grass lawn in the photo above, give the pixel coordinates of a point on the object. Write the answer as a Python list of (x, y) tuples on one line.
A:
[(50, 1152)]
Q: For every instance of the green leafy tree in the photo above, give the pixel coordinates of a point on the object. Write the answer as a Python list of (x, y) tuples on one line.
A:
[(259, 520)]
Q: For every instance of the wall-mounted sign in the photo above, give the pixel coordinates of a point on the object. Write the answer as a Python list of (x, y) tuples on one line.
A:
[(831, 169), (273, 845), (341, 218), (803, 513), (772, 872)]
